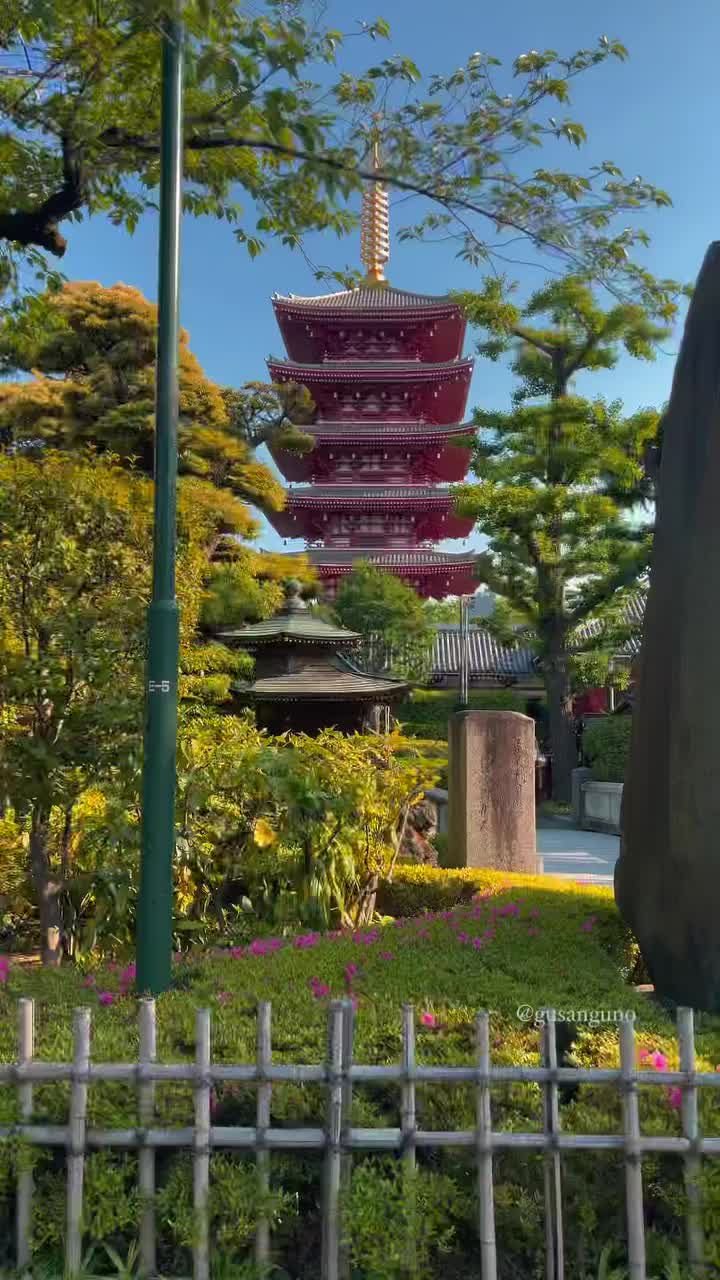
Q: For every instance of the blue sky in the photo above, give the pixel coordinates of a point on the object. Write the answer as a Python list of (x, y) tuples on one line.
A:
[(655, 115)]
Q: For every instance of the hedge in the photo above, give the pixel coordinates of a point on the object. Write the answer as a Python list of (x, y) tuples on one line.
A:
[(426, 714), (606, 747)]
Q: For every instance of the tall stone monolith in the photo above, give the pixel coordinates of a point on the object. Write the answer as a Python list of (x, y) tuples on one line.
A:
[(667, 880), (491, 788)]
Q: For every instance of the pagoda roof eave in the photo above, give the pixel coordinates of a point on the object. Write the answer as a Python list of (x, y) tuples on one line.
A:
[(362, 496), (371, 302), (367, 370), (333, 432), (279, 633), (328, 681)]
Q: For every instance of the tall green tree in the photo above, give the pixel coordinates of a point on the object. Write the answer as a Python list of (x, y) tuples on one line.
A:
[(561, 477), (396, 630), (274, 118)]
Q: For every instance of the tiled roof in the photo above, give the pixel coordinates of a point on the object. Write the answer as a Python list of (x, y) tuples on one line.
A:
[(376, 430), (334, 679), (632, 617), (364, 298), (487, 656), (326, 556), (361, 492), (368, 369), (289, 630)]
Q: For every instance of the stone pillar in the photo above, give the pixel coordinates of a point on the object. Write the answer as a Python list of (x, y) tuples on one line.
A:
[(491, 789)]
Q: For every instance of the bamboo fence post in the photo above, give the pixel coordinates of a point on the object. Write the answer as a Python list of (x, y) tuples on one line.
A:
[(26, 1048), (146, 1155), (76, 1140), (408, 1125), (633, 1157), (486, 1197), (693, 1161), (346, 1154), (201, 1152), (555, 1245), (330, 1266), (262, 1124)]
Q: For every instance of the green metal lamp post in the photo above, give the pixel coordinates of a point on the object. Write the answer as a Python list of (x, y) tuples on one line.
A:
[(154, 944)]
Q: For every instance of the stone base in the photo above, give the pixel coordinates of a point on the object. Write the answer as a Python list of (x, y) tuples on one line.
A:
[(492, 791)]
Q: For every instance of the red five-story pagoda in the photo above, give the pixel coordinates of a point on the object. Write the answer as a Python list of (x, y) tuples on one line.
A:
[(390, 386)]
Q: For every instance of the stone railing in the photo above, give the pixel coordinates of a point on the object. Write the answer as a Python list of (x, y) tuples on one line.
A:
[(596, 805)]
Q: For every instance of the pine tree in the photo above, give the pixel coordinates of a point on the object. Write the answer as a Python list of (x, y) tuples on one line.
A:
[(91, 353), (561, 477)]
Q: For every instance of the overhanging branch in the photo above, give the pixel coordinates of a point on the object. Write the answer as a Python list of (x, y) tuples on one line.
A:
[(40, 226)]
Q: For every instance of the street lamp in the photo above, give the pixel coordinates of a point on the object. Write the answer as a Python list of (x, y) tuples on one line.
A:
[(154, 942)]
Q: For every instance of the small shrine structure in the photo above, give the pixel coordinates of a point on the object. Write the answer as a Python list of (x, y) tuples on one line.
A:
[(304, 681), (386, 372)]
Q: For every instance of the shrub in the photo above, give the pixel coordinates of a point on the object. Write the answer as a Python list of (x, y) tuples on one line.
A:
[(606, 747), (426, 713)]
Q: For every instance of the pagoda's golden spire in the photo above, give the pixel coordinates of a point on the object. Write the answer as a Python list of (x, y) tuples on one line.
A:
[(375, 221)]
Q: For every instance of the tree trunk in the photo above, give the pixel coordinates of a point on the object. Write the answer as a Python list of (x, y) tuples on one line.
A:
[(563, 745), (47, 890)]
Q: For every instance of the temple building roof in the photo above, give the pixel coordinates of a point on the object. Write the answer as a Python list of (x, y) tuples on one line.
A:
[(414, 556), (369, 493), (377, 432), (368, 370), (293, 624), (371, 298), (333, 678), (487, 657)]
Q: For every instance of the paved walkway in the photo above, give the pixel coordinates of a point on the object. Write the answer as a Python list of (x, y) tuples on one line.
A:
[(586, 856)]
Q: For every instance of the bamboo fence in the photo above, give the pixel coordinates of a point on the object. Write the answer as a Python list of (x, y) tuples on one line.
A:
[(338, 1139)]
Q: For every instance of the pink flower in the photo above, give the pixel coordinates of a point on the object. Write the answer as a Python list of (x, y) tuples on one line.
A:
[(489, 934), (258, 947), (428, 1019), (588, 925), (113, 967), (644, 1054), (106, 997), (478, 943), (237, 952), (674, 1097), (89, 981), (305, 940), (4, 969), (351, 971), (659, 1061), (224, 997), (463, 937), (386, 955), (534, 914), (320, 990)]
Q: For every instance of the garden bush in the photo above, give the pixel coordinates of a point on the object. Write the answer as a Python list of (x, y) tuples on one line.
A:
[(284, 830), (426, 712), (528, 942), (606, 747)]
